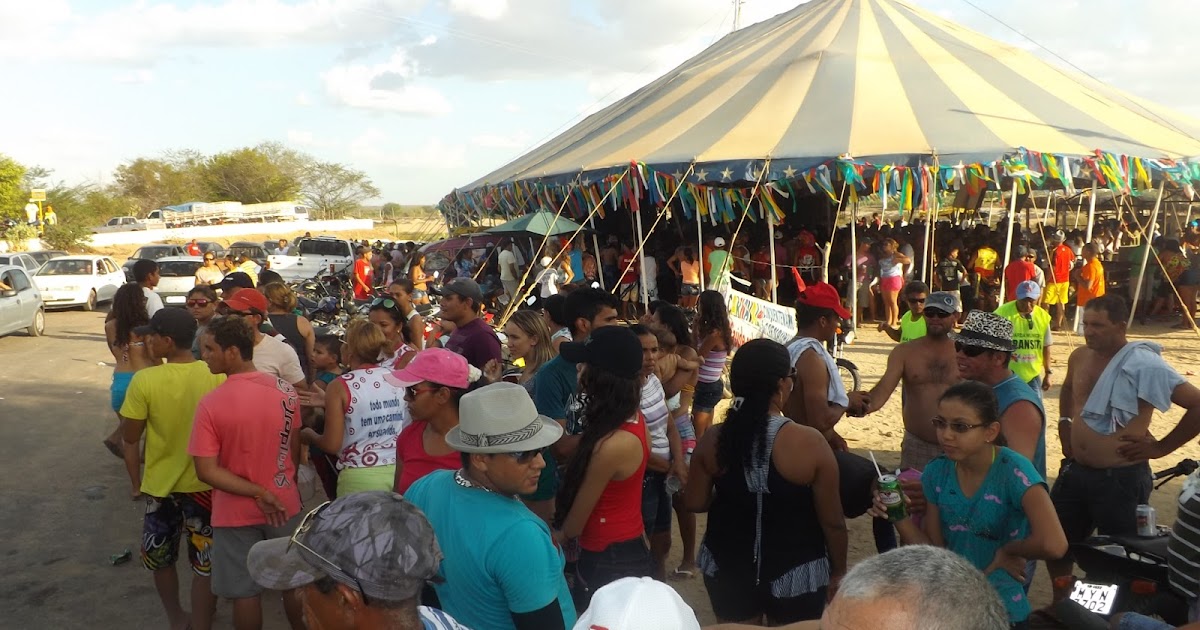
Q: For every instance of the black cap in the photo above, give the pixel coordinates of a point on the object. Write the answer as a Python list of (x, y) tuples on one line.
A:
[(462, 287), (610, 348), (235, 280), (172, 322)]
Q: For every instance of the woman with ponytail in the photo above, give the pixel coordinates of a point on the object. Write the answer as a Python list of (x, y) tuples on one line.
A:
[(600, 500), (775, 547)]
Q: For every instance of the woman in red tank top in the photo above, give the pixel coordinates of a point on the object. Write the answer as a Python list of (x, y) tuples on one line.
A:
[(600, 500)]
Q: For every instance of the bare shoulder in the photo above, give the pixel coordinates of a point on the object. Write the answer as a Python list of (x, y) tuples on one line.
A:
[(617, 445)]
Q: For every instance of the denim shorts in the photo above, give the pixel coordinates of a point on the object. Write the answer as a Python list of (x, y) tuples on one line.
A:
[(630, 558), (656, 504), (707, 395)]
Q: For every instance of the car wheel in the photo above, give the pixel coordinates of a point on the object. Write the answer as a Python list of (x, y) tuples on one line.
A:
[(90, 304), (39, 324)]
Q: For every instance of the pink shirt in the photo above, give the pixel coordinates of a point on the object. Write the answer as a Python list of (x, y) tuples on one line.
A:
[(247, 423), (410, 449)]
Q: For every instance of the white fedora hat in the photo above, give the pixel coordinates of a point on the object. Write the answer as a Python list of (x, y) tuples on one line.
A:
[(501, 418)]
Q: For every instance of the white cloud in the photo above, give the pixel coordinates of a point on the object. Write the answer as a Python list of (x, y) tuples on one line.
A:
[(387, 86), (513, 108), (303, 99), (482, 9), (134, 77), (299, 137), (518, 140), (377, 148)]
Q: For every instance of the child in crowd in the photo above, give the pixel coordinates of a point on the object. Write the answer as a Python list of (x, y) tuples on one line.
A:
[(327, 354)]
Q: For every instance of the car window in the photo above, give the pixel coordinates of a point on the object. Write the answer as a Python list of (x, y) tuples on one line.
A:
[(156, 252), (17, 280), (29, 263), (325, 248), (178, 268), (62, 267), (110, 266)]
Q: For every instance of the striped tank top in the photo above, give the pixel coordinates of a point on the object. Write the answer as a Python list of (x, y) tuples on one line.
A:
[(713, 366)]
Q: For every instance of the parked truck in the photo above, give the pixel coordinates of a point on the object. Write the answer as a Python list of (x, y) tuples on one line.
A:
[(197, 213), (315, 256)]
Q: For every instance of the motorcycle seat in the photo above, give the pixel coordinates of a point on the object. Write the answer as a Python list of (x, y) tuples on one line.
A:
[(1150, 546)]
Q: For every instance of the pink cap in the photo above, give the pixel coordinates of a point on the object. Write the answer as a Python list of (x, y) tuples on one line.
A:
[(436, 365)]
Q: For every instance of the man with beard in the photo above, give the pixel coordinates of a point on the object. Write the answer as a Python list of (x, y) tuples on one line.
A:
[(927, 367)]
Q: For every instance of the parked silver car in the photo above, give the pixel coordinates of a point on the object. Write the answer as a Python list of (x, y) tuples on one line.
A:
[(21, 305)]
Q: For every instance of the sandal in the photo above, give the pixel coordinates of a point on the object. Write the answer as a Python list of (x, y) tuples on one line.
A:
[(681, 574)]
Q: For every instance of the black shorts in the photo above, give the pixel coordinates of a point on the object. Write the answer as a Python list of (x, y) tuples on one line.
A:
[(630, 558), (738, 599), (708, 395), (1104, 499), (656, 505)]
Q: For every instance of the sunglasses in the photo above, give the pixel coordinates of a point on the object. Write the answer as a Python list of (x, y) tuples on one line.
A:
[(305, 525), (934, 313), (387, 302), (207, 258), (412, 391), (524, 457), (199, 302), (971, 351), (957, 427)]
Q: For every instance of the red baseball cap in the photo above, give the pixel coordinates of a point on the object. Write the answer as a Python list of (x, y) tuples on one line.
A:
[(247, 300), (823, 295)]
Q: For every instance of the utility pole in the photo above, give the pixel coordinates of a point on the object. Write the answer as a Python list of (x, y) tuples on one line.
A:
[(737, 14)]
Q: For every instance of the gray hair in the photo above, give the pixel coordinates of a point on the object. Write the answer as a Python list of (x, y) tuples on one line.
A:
[(950, 593)]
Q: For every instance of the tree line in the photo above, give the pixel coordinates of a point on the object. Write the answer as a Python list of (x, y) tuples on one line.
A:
[(259, 174)]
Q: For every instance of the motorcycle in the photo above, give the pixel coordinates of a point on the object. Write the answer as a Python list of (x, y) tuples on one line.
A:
[(1129, 573)]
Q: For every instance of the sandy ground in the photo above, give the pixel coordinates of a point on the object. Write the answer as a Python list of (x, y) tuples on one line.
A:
[(66, 499)]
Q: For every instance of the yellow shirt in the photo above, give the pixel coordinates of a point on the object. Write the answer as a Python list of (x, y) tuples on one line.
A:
[(1030, 336), (165, 398), (250, 268), (911, 327)]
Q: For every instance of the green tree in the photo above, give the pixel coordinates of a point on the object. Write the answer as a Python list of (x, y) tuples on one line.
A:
[(248, 175), (13, 193), (334, 189), (154, 183)]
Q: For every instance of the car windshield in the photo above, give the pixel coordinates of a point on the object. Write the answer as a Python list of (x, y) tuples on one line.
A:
[(59, 267), (325, 248), (153, 253), (252, 252), (178, 268)]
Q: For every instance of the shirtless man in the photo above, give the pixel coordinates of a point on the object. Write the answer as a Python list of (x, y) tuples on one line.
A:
[(1105, 473), (927, 366), (608, 261)]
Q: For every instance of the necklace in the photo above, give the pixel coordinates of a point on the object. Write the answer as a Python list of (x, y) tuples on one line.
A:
[(461, 479)]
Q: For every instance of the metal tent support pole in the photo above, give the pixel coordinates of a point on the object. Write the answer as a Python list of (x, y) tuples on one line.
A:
[(1090, 224), (771, 247), (1137, 289), (642, 259), (1012, 222), (853, 266), (700, 247)]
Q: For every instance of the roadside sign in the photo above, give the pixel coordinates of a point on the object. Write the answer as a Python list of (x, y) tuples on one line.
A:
[(37, 194)]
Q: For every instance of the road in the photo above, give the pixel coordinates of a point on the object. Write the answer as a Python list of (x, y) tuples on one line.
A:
[(66, 505)]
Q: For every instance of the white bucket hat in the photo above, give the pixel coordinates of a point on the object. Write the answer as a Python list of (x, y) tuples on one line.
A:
[(637, 603), (501, 418)]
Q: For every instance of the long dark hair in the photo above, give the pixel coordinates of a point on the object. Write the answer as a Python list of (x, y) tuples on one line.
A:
[(129, 310), (609, 401), (754, 378), (673, 318), (711, 315), (978, 396)]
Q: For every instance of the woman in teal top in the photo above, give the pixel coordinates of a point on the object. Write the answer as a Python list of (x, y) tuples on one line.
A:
[(984, 501)]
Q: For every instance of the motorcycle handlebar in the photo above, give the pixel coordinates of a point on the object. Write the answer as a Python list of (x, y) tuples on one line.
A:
[(1184, 467)]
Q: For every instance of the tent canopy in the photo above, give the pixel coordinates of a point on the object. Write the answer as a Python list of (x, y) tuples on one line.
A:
[(540, 223), (881, 80)]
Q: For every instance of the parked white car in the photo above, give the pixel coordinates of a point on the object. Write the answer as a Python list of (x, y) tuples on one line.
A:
[(20, 304), (78, 281), (177, 276)]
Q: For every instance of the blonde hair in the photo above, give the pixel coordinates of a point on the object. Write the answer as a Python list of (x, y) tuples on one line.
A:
[(533, 324), (280, 295), (366, 342)]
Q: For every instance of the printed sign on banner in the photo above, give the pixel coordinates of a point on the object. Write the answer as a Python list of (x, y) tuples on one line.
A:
[(752, 318)]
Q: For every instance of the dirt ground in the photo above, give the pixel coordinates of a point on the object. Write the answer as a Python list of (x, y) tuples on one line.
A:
[(67, 507)]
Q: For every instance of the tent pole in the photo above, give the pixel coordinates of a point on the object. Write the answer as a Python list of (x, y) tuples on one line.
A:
[(1091, 220), (700, 246), (853, 266), (1137, 288), (596, 257), (1012, 220), (642, 259), (1186, 219), (771, 246)]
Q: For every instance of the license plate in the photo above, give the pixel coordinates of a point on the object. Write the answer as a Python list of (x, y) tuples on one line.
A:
[(1098, 598)]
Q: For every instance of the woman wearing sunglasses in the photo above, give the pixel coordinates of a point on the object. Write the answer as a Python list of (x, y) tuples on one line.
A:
[(209, 272), (401, 291), (385, 313), (363, 415), (600, 501), (202, 305), (775, 547), (437, 379), (985, 501)]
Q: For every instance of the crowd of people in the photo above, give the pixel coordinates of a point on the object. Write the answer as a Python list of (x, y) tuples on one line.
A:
[(473, 489)]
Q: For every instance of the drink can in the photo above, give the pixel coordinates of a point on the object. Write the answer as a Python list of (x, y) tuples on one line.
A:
[(1147, 521), (892, 498)]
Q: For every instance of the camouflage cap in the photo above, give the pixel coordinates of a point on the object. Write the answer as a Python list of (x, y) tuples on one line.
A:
[(374, 541)]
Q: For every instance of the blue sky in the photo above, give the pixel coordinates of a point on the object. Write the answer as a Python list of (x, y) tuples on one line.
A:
[(426, 95)]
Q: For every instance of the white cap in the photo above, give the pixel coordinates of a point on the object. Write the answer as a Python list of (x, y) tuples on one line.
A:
[(719, 242), (546, 260), (637, 604)]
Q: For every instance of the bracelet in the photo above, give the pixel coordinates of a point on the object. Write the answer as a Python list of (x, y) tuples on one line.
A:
[(137, 343), (1064, 420)]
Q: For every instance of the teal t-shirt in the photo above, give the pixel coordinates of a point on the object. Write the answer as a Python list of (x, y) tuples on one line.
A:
[(716, 260), (498, 557), (975, 527)]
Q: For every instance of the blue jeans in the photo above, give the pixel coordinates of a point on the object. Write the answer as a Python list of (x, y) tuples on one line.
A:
[(1134, 621), (1036, 384)]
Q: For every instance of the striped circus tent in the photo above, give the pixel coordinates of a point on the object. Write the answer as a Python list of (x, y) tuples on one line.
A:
[(880, 80)]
